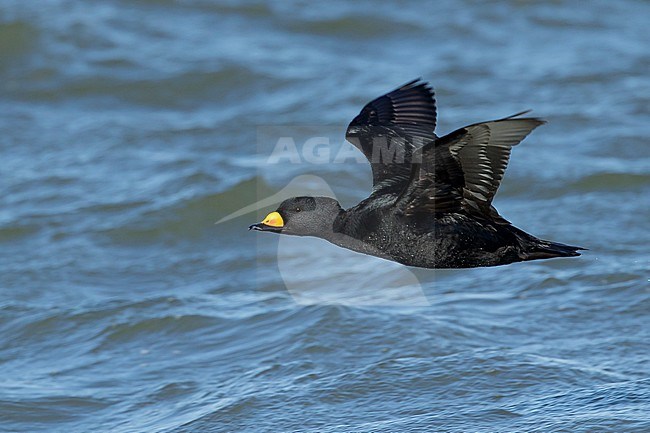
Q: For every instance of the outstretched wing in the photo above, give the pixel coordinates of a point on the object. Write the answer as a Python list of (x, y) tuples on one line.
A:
[(463, 170), (389, 128)]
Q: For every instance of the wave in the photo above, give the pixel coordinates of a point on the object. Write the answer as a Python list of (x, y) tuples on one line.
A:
[(17, 39), (187, 218), (168, 91)]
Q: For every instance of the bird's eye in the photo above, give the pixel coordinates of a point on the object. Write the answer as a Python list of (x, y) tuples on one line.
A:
[(297, 209)]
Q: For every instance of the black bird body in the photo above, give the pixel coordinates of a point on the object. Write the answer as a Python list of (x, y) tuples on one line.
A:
[(451, 240), (431, 204)]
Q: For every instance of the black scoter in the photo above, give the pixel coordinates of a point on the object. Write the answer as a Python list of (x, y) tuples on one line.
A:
[(431, 201)]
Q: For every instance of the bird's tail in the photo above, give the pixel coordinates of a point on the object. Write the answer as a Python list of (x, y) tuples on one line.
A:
[(534, 248), (547, 250)]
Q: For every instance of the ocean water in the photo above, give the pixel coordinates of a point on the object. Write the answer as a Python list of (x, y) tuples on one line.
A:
[(128, 128)]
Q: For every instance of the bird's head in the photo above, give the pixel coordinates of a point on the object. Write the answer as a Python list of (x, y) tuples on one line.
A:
[(301, 216)]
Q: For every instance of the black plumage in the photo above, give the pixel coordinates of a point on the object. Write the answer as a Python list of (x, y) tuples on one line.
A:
[(431, 202)]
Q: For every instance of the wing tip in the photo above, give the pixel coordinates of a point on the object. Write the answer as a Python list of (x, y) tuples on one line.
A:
[(414, 84), (516, 116), (521, 113)]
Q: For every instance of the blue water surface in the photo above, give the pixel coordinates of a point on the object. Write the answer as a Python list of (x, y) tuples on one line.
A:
[(128, 128)]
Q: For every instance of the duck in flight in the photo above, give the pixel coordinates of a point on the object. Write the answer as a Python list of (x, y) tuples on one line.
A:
[(431, 201)]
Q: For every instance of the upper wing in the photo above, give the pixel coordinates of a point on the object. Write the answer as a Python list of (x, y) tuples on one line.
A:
[(389, 128), (464, 169)]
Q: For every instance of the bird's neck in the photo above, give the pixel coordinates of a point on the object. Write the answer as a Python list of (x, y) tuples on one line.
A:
[(345, 239)]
